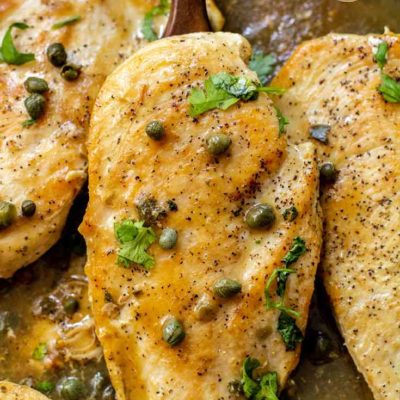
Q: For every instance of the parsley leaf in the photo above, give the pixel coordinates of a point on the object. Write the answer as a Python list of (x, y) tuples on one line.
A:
[(390, 89), (147, 26), (381, 54), (67, 21), (8, 52), (289, 331), (298, 249), (28, 122), (45, 387), (223, 90), (263, 65), (283, 121), (135, 239), (265, 388), (279, 305), (40, 352), (268, 387), (282, 277)]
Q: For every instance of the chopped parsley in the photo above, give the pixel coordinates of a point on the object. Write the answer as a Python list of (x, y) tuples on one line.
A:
[(8, 52), (298, 249), (147, 26), (289, 331), (290, 214), (67, 21), (40, 352), (390, 89), (282, 120), (265, 388), (45, 387), (381, 54), (135, 239), (263, 65), (28, 122), (224, 90)]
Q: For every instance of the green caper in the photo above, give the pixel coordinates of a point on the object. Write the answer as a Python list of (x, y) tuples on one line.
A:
[(36, 85), (8, 213), (260, 216), (226, 287), (218, 143), (235, 387), (205, 308), (168, 238), (155, 130), (35, 105), (173, 332), (70, 72), (328, 172), (72, 388), (71, 305), (108, 393), (28, 208), (290, 214), (56, 54)]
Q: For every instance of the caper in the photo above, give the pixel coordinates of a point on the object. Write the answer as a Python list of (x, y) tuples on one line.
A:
[(48, 305), (108, 393), (226, 287), (328, 172), (235, 387), (28, 208), (8, 213), (205, 308), (70, 72), (35, 105), (218, 143), (72, 388), (155, 130), (260, 216), (71, 305), (290, 214), (168, 238), (173, 332), (56, 54), (36, 85)]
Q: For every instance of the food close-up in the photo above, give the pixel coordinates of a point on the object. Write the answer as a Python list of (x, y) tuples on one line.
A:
[(199, 200)]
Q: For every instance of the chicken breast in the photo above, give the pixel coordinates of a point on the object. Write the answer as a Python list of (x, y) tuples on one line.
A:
[(11, 391), (333, 81), (206, 198)]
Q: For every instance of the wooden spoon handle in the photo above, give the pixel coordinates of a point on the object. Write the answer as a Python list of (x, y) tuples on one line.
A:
[(187, 16)]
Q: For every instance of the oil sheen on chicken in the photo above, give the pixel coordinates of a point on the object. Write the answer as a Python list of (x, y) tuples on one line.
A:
[(211, 195), (334, 81)]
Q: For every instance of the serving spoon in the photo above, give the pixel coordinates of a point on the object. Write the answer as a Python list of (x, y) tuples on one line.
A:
[(187, 16)]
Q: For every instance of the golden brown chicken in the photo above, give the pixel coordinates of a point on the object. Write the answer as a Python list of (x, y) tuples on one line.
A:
[(333, 94), (171, 330), (11, 391)]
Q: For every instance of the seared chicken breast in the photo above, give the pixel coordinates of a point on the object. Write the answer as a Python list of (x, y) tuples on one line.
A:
[(182, 325), (12, 391), (46, 162), (332, 92)]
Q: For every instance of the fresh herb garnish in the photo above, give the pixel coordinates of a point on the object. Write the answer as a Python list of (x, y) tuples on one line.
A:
[(45, 387), (147, 27), (8, 52), (67, 21), (135, 239), (263, 65), (320, 132), (40, 352), (390, 89), (224, 90), (289, 331), (265, 388), (381, 54), (290, 214), (282, 120), (279, 305), (298, 249)]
